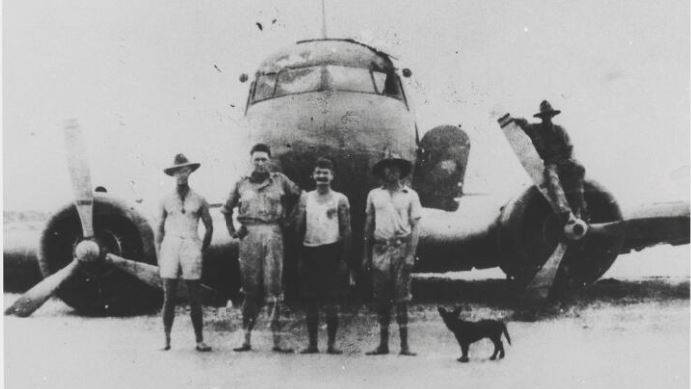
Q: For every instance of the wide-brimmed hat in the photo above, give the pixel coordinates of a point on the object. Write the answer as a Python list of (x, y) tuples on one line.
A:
[(179, 162), (390, 158), (546, 110)]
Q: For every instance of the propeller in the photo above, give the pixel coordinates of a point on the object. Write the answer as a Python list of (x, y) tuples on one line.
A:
[(81, 176), (534, 166), (146, 273), (541, 283), (32, 299), (661, 222), (88, 250)]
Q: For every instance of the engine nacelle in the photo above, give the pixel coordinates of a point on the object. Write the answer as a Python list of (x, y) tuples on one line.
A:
[(440, 168), (529, 232), (98, 288)]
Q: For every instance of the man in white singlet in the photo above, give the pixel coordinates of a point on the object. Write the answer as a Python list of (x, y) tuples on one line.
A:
[(323, 227)]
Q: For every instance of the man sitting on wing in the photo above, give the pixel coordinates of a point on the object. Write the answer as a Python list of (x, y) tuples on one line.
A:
[(562, 172)]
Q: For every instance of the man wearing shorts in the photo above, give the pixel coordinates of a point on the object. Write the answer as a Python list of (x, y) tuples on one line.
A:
[(264, 199), (322, 225), (391, 238), (179, 248)]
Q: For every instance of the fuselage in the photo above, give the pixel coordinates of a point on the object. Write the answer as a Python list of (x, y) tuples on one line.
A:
[(331, 98)]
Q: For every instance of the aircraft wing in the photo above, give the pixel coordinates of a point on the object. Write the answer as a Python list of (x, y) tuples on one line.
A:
[(653, 224)]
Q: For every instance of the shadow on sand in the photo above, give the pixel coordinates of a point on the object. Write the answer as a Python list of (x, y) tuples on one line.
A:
[(499, 297)]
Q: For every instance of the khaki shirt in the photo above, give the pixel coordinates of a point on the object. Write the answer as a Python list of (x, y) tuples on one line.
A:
[(393, 212), (178, 223), (551, 142), (262, 202)]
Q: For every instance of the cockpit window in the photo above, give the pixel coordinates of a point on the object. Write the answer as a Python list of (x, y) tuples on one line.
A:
[(264, 89), (298, 80), (326, 77), (350, 79)]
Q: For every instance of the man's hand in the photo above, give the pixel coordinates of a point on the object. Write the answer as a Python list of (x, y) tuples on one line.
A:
[(367, 264), (409, 262), (238, 234), (520, 122), (351, 278)]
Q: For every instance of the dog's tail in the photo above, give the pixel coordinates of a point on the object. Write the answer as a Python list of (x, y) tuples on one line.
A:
[(506, 332)]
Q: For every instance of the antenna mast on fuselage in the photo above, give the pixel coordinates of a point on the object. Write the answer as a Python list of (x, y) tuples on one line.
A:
[(323, 20)]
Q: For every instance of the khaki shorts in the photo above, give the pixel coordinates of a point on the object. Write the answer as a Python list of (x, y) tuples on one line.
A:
[(390, 276), (261, 262), (180, 255)]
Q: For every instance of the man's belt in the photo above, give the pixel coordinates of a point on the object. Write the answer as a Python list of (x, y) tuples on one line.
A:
[(256, 222), (395, 241)]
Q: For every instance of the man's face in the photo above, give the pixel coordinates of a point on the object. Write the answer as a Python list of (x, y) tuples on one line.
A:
[(322, 176), (260, 161), (391, 173), (547, 119), (182, 175)]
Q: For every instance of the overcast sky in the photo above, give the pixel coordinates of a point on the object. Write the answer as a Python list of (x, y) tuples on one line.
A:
[(140, 78)]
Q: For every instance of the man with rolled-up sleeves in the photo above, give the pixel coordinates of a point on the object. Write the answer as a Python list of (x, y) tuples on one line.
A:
[(264, 200)]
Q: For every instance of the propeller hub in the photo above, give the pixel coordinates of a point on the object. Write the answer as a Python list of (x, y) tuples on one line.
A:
[(575, 229), (87, 251)]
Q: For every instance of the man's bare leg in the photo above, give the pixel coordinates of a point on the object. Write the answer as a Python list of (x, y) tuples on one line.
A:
[(332, 328), (194, 292), (556, 192), (572, 175), (168, 312), (312, 323), (384, 318), (402, 319)]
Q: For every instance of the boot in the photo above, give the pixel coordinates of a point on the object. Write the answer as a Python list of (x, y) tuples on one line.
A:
[(331, 328), (405, 350), (383, 343), (312, 333)]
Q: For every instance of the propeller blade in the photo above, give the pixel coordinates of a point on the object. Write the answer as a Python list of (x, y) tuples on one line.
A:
[(651, 231), (617, 228), (146, 273), (31, 300), (541, 284), (527, 155), (81, 176)]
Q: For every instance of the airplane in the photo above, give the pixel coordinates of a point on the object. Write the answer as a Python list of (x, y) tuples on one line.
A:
[(346, 100)]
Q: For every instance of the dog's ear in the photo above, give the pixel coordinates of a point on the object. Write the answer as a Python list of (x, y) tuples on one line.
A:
[(441, 309), (457, 311)]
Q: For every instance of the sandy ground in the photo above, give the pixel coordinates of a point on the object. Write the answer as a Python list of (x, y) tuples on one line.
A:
[(632, 332)]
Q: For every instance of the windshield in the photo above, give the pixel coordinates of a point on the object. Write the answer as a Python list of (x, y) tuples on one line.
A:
[(326, 77)]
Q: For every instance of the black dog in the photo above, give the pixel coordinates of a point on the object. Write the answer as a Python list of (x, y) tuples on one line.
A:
[(468, 332)]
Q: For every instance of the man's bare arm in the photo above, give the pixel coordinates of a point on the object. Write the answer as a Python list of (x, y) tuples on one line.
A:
[(414, 240), (160, 227), (521, 122), (300, 216), (344, 228), (208, 226), (292, 192), (227, 211), (368, 242)]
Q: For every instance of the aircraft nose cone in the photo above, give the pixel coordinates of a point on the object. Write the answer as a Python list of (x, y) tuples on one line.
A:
[(575, 229), (87, 251)]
